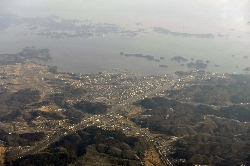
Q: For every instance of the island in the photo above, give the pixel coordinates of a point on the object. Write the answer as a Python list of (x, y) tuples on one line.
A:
[(168, 32), (54, 26), (163, 66), (247, 69), (179, 59), (197, 65), (148, 57)]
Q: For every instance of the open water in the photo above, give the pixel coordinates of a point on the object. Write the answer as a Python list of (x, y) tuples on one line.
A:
[(84, 55)]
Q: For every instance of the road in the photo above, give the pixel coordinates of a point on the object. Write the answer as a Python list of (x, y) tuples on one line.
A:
[(114, 110), (131, 100)]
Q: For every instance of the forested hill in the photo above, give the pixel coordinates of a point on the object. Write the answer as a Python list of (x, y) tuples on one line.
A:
[(91, 146), (204, 135)]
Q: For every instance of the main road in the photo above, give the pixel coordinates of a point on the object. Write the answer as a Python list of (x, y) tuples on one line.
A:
[(114, 110)]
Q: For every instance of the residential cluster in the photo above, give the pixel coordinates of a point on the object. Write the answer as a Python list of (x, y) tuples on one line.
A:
[(117, 87)]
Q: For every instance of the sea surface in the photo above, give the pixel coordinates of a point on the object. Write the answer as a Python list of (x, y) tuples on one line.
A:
[(227, 20)]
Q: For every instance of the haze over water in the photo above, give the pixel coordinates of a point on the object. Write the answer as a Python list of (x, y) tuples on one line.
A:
[(226, 17)]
